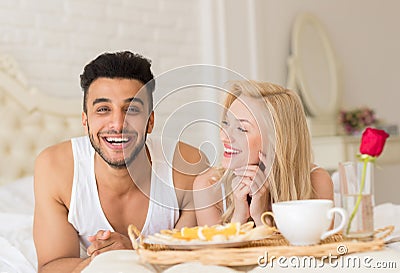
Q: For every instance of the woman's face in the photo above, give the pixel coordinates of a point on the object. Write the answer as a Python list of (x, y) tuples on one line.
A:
[(240, 133)]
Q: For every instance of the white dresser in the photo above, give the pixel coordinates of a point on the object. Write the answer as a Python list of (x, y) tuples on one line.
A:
[(330, 150)]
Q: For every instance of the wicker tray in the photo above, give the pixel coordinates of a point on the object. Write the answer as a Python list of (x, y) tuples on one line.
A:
[(248, 253)]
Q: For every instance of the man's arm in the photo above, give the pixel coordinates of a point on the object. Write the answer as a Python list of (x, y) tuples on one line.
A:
[(188, 163), (56, 241)]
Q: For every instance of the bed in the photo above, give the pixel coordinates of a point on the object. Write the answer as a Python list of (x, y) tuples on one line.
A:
[(30, 122)]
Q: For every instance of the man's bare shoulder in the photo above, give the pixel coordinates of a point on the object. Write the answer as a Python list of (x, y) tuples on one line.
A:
[(53, 173), (55, 155)]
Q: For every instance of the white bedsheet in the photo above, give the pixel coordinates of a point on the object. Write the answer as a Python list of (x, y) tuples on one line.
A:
[(17, 251)]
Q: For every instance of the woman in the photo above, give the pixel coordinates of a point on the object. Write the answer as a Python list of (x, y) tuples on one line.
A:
[(267, 157)]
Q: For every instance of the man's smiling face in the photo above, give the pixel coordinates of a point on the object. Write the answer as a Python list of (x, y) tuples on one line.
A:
[(117, 119)]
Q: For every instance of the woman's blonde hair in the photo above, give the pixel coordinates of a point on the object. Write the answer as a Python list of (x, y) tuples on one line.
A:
[(289, 177)]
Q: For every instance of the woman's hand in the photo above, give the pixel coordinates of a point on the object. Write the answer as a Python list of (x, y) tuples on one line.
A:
[(259, 204), (241, 189), (251, 180)]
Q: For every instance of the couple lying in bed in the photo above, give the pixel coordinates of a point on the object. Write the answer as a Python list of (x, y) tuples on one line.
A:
[(89, 189)]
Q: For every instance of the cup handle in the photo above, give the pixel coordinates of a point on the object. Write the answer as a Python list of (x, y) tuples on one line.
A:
[(343, 215), (267, 213)]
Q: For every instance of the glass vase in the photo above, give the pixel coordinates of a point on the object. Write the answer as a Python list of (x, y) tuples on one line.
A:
[(357, 198)]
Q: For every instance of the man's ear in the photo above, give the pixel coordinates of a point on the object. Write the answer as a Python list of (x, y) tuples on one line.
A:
[(84, 119), (150, 123)]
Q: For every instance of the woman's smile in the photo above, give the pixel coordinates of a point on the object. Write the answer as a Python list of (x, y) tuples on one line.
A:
[(229, 151)]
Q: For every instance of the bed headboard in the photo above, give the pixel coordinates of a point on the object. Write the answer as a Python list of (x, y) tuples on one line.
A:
[(30, 121)]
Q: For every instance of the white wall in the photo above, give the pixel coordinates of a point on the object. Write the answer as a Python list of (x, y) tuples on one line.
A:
[(366, 40), (53, 40), (365, 37)]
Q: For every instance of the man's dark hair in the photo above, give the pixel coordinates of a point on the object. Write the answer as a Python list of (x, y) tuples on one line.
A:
[(125, 65)]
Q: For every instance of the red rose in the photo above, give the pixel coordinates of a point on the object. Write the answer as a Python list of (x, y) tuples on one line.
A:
[(372, 141)]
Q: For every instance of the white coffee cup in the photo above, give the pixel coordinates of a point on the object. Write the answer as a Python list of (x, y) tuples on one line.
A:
[(306, 222)]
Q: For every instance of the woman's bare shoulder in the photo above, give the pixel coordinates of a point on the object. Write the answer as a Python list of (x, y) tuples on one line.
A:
[(322, 183), (206, 179)]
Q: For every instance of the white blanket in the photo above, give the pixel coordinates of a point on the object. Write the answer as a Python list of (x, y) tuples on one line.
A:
[(17, 251)]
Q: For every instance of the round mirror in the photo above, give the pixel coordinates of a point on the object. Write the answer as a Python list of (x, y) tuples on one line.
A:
[(312, 67)]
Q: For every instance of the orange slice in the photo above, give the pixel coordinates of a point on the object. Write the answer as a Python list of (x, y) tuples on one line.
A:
[(206, 233), (228, 230), (187, 233)]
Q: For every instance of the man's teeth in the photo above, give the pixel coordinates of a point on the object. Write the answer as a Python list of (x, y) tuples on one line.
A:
[(231, 151), (117, 139)]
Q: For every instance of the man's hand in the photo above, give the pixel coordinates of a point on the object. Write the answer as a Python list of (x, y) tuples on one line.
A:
[(105, 240)]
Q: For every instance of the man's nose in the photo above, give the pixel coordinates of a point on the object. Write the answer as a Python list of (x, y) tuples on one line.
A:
[(118, 120)]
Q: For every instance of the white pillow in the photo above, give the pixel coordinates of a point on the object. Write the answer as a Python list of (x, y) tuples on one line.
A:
[(17, 196)]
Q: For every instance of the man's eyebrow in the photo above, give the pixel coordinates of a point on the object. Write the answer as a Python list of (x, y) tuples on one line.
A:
[(135, 99), (100, 100), (129, 100)]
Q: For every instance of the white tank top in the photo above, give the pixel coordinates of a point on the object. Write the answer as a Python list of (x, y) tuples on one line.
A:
[(85, 212)]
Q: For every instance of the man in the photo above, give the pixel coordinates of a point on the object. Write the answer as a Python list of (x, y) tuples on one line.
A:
[(89, 189)]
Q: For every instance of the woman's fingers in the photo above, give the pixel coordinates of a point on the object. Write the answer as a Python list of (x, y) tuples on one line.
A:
[(246, 168), (260, 180), (235, 182), (242, 191), (249, 173), (257, 191), (238, 180), (241, 188), (253, 177)]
